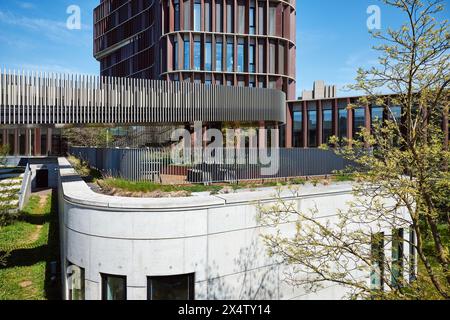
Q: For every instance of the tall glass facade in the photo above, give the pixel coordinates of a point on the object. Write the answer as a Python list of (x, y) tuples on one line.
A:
[(176, 5), (251, 58), (359, 121)]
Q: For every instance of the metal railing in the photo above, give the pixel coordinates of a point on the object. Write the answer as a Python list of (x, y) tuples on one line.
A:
[(157, 165)]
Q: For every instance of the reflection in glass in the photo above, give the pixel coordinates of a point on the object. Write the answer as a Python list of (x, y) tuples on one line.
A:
[(171, 287), (298, 129), (219, 57), (208, 56), (197, 55), (312, 128), (114, 287), (230, 60), (240, 57), (197, 15), (327, 126)]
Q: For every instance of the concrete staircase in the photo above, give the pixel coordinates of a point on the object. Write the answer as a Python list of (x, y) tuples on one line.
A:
[(10, 184)]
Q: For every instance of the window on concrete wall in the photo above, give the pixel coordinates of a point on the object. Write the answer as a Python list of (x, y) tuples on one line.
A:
[(327, 122), (240, 55), (230, 55), (219, 16), (197, 15), (297, 131), (219, 54), (76, 279), (176, 5), (241, 17), (187, 14), (208, 54), (377, 261), (397, 258), (187, 55), (208, 16), (180, 287), (312, 124), (230, 16), (197, 53), (114, 287)]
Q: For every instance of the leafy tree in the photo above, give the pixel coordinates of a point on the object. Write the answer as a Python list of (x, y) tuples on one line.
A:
[(90, 136), (401, 173)]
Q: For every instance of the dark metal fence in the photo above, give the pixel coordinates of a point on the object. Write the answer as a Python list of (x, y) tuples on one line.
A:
[(224, 165)]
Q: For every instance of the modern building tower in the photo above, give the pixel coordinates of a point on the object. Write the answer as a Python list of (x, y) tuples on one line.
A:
[(222, 42)]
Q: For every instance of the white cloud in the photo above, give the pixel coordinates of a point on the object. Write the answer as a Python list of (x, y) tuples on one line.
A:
[(26, 5), (52, 29)]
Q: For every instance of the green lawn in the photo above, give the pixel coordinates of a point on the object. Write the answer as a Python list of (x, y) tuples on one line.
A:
[(31, 243)]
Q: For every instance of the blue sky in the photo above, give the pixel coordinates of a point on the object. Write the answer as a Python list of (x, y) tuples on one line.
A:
[(332, 38)]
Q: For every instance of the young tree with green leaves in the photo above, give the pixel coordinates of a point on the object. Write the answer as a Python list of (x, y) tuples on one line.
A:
[(404, 159)]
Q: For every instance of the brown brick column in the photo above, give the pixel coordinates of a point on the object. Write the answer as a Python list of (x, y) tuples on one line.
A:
[(37, 142)]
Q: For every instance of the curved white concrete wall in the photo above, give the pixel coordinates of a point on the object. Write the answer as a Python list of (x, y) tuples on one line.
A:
[(215, 237)]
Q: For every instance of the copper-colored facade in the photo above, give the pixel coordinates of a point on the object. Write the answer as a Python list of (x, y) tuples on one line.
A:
[(224, 42)]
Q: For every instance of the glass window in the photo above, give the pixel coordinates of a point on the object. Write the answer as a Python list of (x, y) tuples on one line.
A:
[(208, 14), (252, 18), (175, 55), (396, 112), (312, 128), (397, 258), (187, 14), (359, 121), (171, 288), (377, 261), (272, 11), (261, 21), (281, 59), (230, 17), (230, 53), (298, 129), (327, 125), (187, 64), (177, 14), (376, 115), (197, 15), (208, 55), (219, 55), (219, 16), (261, 56), (272, 54), (197, 54), (241, 16), (114, 287), (342, 123), (240, 57), (76, 282), (251, 58)]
